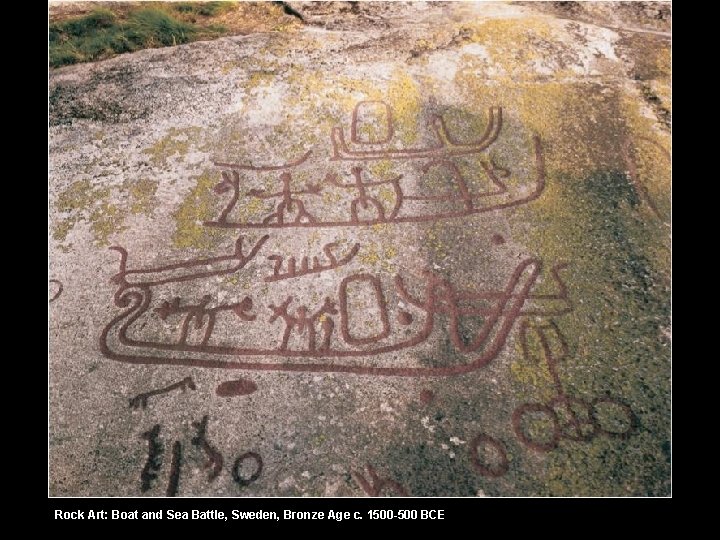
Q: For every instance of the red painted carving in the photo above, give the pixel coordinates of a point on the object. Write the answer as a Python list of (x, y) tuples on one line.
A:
[(305, 268), (489, 469), (154, 459), (303, 321), (375, 485), (390, 132), (436, 297), (291, 211), (366, 202), (59, 289), (637, 182), (308, 338), (239, 387), (289, 204), (379, 303), (498, 239), (427, 396), (141, 399), (187, 270), (570, 417), (446, 145), (215, 460), (175, 464), (254, 456)]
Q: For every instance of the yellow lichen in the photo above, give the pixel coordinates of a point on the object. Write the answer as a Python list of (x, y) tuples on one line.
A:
[(663, 63), (85, 202), (198, 206), (227, 67), (387, 195), (382, 169), (330, 197), (177, 141), (433, 240), (259, 78), (62, 228), (369, 255), (649, 147), (514, 45), (532, 373), (250, 210), (379, 256), (390, 253), (232, 279), (80, 195), (405, 99), (591, 215), (106, 220), (142, 196)]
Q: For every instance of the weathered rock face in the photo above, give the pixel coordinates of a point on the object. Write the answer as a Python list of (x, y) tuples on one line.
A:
[(426, 252)]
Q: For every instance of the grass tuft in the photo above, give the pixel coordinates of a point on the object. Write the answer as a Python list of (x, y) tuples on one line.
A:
[(102, 34), (206, 9), (114, 28)]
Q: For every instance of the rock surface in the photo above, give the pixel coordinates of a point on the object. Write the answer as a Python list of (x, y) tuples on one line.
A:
[(403, 249)]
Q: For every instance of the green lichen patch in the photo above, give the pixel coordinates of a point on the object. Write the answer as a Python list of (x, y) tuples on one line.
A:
[(199, 205), (636, 467), (618, 280), (176, 142), (142, 196), (104, 208), (83, 201), (619, 288)]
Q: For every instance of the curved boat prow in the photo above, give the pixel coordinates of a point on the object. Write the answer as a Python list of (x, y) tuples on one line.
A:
[(500, 321), (120, 276)]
